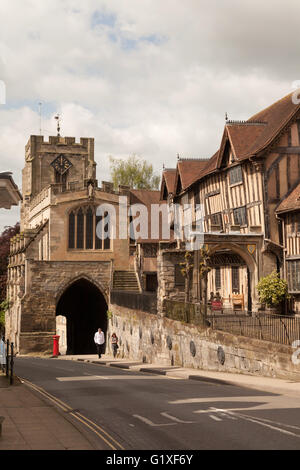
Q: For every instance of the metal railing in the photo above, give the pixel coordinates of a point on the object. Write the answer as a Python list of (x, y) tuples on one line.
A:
[(281, 329), (7, 359)]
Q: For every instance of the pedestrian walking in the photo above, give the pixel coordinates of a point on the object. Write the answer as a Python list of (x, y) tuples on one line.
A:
[(114, 344), (99, 341)]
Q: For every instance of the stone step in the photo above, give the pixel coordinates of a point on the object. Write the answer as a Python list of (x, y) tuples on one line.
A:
[(125, 281)]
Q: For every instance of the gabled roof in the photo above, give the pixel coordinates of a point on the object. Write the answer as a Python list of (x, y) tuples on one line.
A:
[(252, 137), (188, 171), (167, 181), (291, 202), (147, 197), (249, 138)]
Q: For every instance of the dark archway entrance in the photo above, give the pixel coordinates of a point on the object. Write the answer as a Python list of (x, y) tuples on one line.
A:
[(85, 309)]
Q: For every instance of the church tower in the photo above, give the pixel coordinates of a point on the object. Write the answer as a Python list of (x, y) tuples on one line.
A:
[(61, 161)]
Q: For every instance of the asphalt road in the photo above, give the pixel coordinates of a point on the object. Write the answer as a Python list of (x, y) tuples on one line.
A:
[(143, 411)]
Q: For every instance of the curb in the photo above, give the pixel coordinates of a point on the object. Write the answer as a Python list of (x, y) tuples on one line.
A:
[(185, 376), (166, 373)]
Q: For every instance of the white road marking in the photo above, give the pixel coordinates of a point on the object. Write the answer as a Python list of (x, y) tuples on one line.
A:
[(173, 418), (150, 423), (108, 377), (257, 421), (222, 399), (215, 418)]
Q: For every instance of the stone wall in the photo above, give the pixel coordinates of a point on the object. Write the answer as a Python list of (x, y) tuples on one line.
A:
[(45, 283), (155, 339)]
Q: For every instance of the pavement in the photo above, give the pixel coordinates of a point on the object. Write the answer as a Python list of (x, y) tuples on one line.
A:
[(33, 422)]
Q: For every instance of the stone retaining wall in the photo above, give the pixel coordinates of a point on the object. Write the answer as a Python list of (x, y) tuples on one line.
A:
[(154, 339)]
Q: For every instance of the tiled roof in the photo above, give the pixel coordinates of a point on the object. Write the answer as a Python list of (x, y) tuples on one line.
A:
[(147, 198), (247, 138), (190, 170), (168, 176), (291, 202)]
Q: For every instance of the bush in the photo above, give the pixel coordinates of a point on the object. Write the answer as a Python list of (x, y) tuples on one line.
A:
[(272, 290)]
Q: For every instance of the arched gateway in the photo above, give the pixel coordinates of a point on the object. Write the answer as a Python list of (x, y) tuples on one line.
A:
[(85, 309), (59, 264)]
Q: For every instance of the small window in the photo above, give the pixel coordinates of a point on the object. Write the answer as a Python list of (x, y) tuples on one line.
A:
[(240, 216), (218, 278), (235, 279), (216, 219), (235, 175)]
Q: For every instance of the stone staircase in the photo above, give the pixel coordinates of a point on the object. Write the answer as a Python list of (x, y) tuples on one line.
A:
[(125, 281)]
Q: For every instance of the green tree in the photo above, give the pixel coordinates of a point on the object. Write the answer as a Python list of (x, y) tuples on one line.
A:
[(133, 172)]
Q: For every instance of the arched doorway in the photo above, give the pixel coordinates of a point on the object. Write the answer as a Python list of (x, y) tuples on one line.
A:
[(234, 273), (85, 309)]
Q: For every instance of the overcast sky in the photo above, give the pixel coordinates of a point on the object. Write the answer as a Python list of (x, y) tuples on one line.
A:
[(149, 77)]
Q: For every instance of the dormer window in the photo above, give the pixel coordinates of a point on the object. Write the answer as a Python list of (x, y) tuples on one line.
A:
[(235, 175)]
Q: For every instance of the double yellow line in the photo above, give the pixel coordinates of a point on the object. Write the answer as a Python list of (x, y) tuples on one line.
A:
[(100, 432)]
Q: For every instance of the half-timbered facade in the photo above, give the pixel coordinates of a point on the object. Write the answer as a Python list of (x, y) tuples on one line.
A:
[(242, 189)]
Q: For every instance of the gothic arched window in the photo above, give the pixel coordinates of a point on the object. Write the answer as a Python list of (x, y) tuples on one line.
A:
[(80, 225), (86, 231), (89, 229), (72, 230)]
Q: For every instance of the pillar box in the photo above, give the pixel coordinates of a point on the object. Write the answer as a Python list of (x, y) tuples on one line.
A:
[(55, 345)]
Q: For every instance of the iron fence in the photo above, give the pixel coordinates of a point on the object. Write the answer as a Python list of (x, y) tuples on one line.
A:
[(282, 329), (7, 359)]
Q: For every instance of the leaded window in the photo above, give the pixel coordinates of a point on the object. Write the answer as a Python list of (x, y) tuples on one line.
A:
[(240, 216), (216, 219), (89, 229), (85, 231), (235, 274), (72, 230), (218, 278), (293, 268), (235, 175), (80, 221)]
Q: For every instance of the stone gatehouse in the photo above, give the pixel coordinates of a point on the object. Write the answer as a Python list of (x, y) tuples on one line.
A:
[(60, 265)]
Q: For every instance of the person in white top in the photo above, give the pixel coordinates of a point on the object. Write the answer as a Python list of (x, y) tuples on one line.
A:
[(99, 341)]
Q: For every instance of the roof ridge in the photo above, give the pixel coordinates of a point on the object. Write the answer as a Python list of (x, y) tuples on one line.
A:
[(248, 123), (202, 159)]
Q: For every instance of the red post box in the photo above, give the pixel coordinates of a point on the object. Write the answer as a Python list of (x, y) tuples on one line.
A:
[(55, 345)]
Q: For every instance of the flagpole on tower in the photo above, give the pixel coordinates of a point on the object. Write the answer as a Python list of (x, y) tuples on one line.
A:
[(57, 117)]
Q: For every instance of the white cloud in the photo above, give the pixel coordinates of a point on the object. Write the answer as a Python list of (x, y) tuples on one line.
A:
[(152, 78)]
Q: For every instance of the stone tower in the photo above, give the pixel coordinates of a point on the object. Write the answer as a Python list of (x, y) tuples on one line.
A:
[(59, 265)]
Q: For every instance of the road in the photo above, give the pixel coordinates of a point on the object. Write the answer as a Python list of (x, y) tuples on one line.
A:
[(142, 411)]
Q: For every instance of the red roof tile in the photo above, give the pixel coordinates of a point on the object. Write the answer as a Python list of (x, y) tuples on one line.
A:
[(291, 202)]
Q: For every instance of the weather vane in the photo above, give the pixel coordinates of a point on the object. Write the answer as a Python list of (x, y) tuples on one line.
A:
[(57, 117)]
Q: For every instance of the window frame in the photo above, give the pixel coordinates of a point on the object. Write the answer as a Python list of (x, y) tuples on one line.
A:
[(244, 221), (235, 175)]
